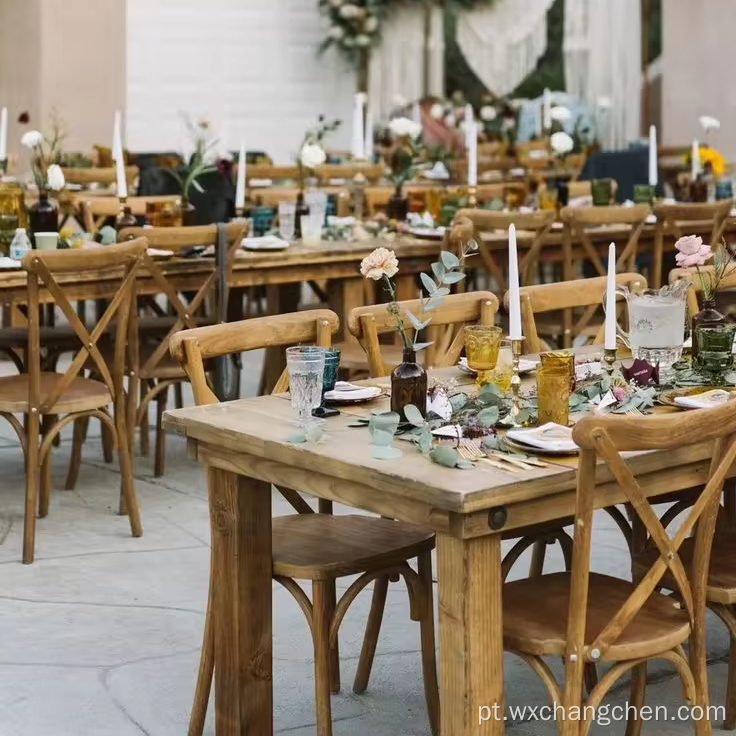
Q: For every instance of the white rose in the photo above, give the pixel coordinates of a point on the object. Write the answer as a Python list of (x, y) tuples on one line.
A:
[(709, 123), (561, 142), (362, 40), (312, 155), (31, 139), (488, 113), (371, 24), (349, 11), (55, 178), (336, 33), (437, 111), (404, 127), (604, 103), (560, 113), (451, 120)]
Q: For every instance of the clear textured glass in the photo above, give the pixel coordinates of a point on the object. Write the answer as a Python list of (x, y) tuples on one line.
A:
[(715, 347), (311, 231), (502, 374), (305, 366), (481, 349), (553, 394), (317, 203), (287, 220)]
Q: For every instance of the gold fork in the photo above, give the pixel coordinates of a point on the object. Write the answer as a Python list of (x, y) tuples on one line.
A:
[(470, 450)]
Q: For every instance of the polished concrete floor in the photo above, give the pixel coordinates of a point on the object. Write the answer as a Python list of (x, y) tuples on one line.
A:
[(101, 636)]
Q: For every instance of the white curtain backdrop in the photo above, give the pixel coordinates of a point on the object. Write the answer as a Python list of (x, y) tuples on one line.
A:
[(503, 41), (602, 48), (397, 64)]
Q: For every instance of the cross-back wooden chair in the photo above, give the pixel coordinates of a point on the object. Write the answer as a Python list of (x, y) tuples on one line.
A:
[(586, 294), (706, 272), (328, 172), (153, 365), (85, 177), (532, 228), (367, 324), (583, 223), (42, 397), (96, 210), (673, 221), (318, 546), (588, 617), (269, 171)]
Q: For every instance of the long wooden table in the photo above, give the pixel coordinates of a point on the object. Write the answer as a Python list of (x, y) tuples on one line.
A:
[(243, 446)]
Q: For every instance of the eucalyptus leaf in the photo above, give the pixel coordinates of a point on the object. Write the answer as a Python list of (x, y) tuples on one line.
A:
[(438, 270), (449, 260), (464, 464), (381, 452), (442, 291), (416, 323), (433, 303), (453, 278), (444, 455), (488, 417), (421, 345), (413, 415), (428, 284), (381, 437), (458, 401), (424, 441)]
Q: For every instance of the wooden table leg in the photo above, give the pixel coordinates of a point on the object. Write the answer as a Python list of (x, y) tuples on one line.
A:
[(343, 296), (471, 636), (240, 509)]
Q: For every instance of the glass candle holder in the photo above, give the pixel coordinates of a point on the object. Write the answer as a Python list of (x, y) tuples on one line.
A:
[(482, 344), (553, 394), (560, 360), (643, 194), (501, 375), (548, 199), (602, 191), (715, 347)]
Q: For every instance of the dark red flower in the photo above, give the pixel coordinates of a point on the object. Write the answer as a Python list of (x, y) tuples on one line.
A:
[(24, 118)]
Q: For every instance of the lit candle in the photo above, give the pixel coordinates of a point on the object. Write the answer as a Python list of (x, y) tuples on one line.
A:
[(514, 303), (120, 170), (695, 161), (358, 136), (117, 139), (240, 187), (368, 145), (472, 135), (610, 342), (468, 118), (547, 110), (653, 174), (3, 134)]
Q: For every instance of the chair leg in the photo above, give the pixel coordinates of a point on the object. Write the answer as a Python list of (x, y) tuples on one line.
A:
[(539, 551), (178, 396), (145, 439), (204, 675), (160, 457), (80, 431), (107, 443), (45, 495), (334, 650), (127, 487), (729, 723), (32, 473), (636, 698), (429, 656), (321, 634), (370, 638)]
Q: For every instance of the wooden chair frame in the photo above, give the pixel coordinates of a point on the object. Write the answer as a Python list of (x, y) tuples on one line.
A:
[(43, 270), (366, 324), (324, 613), (672, 219), (95, 210), (565, 296), (93, 175)]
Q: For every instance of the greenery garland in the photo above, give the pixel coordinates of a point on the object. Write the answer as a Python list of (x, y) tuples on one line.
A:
[(355, 25)]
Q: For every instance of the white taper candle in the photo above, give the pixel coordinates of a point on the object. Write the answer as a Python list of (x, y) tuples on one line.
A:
[(120, 173), (368, 145), (3, 134), (514, 302), (117, 137), (547, 110), (240, 185), (356, 148), (695, 161), (472, 135), (653, 173), (610, 334)]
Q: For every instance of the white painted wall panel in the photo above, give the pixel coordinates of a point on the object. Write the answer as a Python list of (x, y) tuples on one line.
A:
[(248, 65)]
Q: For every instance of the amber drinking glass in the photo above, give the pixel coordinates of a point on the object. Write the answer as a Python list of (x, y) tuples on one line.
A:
[(553, 394), (503, 372), (482, 344), (560, 360)]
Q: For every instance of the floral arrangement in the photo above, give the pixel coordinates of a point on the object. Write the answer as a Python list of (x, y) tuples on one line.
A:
[(406, 152), (202, 160), (382, 265), (46, 155), (691, 251), (710, 157), (311, 153)]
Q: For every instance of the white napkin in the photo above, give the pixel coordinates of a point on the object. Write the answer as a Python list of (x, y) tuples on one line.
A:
[(588, 370), (438, 171), (517, 172), (157, 252), (418, 221), (549, 436), (586, 201), (265, 242), (334, 221), (6, 262), (706, 400), (538, 153), (651, 219), (344, 391), (260, 182)]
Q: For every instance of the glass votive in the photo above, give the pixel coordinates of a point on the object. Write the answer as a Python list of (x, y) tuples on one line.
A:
[(482, 344), (502, 374), (311, 231), (602, 191), (715, 347), (560, 359), (553, 394), (643, 194), (724, 189)]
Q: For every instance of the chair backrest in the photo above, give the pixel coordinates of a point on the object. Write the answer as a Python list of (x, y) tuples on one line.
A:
[(671, 219), (94, 175), (366, 324), (501, 190), (327, 172), (47, 270), (270, 171), (185, 310), (581, 223), (728, 281), (538, 224), (606, 438), (193, 347), (95, 210), (567, 295)]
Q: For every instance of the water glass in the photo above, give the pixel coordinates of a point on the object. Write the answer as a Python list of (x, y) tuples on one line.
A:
[(317, 203), (715, 347), (643, 194), (287, 220), (305, 366), (482, 344), (311, 231), (261, 220), (553, 394), (382, 428)]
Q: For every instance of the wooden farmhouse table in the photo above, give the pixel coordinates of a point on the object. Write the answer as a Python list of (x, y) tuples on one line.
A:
[(244, 449)]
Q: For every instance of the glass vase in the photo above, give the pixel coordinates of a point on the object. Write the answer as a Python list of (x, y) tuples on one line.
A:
[(708, 316), (398, 206), (302, 210), (188, 213), (408, 385), (715, 347), (43, 215)]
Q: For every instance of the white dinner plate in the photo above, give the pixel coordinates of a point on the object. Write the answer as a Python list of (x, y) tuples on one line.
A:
[(428, 233), (525, 366), (267, 242), (354, 396)]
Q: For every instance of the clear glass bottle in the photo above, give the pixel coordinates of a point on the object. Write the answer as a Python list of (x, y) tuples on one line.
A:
[(20, 244)]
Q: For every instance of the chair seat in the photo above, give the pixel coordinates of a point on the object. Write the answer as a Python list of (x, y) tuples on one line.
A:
[(166, 368), (322, 546), (83, 394), (535, 617), (721, 575), (161, 325), (354, 359)]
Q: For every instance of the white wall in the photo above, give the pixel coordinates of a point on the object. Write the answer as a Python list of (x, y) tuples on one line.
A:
[(697, 74), (250, 66)]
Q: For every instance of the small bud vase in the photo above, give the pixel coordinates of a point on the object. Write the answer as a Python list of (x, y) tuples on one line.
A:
[(408, 385)]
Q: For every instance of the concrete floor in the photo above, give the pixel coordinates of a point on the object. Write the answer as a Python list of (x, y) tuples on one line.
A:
[(101, 636)]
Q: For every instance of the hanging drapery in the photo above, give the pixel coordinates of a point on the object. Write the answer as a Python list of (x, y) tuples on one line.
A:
[(397, 64), (502, 41), (602, 49)]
